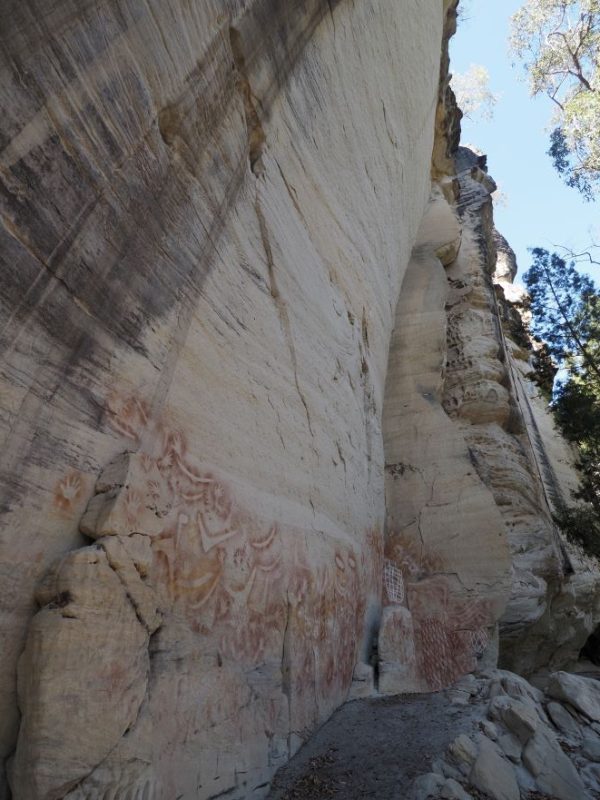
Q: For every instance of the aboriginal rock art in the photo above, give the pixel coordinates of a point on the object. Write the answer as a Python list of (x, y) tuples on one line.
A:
[(230, 575), (272, 617), (450, 629), (213, 564), (68, 491)]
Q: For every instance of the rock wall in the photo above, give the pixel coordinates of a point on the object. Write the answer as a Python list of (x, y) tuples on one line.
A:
[(235, 453), (447, 563), (474, 467), (491, 393), (207, 212)]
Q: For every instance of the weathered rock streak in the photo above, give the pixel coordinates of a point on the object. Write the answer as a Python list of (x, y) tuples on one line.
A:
[(263, 432), (207, 213)]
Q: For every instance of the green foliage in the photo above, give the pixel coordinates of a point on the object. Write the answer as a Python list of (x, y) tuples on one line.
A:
[(545, 370), (572, 174), (581, 525), (576, 409), (558, 42), (565, 309)]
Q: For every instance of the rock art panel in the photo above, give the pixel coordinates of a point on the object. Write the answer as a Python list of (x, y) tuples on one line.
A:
[(448, 631), (207, 212), (177, 555)]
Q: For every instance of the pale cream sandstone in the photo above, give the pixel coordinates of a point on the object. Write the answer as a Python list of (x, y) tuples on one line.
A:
[(207, 216), (247, 344)]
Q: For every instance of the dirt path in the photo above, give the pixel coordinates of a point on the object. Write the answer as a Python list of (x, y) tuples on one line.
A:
[(373, 748)]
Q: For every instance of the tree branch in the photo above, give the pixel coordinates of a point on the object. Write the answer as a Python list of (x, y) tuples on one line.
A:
[(552, 97), (574, 335), (574, 256), (578, 72)]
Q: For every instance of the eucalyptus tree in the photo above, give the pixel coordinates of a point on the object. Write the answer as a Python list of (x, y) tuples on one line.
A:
[(565, 313), (559, 44)]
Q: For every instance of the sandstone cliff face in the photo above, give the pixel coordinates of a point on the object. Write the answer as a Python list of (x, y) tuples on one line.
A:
[(474, 468), (207, 214), (233, 459), (490, 391), (446, 573)]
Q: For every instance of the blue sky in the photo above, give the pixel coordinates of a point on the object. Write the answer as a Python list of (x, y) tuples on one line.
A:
[(541, 211)]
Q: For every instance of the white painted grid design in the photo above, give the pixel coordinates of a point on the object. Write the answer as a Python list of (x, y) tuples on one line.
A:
[(394, 582)]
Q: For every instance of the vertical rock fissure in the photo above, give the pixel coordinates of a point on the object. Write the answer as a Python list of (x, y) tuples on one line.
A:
[(286, 656), (254, 128)]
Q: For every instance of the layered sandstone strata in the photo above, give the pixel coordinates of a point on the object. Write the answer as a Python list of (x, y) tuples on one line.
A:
[(208, 210), (447, 561), (475, 469), (491, 393)]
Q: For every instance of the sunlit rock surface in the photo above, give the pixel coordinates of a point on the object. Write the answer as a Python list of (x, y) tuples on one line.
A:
[(446, 553), (490, 390), (264, 441), (208, 210)]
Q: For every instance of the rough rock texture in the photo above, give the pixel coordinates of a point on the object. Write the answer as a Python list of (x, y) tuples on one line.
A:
[(492, 735), (446, 554), (541, 759), (207, 212), (213, 402), (63, 712), (474, 467), (490, 392), (582, 693)]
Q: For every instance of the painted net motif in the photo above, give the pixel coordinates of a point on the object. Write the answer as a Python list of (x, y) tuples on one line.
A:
[(394, 582)]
